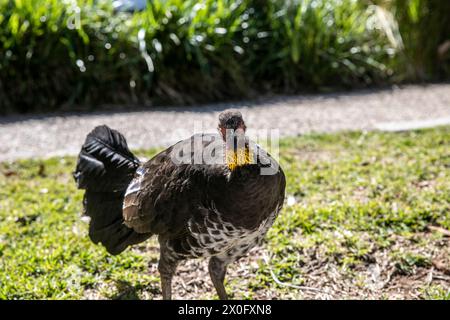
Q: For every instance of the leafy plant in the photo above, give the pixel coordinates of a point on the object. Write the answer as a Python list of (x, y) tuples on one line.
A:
[(64, 54)]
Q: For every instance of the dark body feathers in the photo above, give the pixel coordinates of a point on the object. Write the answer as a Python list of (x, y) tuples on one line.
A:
[(189, 205)]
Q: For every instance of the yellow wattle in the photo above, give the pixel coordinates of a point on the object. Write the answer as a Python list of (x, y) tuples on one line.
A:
[(238, 158)]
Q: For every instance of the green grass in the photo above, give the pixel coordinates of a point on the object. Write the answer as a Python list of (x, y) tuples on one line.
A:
[(360, 198)]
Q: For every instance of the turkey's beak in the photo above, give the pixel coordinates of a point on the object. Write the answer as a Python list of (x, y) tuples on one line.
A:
[(229, 133), (234, 139)]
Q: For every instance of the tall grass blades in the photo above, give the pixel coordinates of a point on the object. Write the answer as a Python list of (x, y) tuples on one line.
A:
[(57, 55), (425, 29)]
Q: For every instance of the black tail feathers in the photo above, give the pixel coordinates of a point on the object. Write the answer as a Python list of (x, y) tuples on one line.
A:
[(105, 163), (105, 168)]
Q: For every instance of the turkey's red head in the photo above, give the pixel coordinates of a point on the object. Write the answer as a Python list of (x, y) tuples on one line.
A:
[(231, 122), (232, 129)]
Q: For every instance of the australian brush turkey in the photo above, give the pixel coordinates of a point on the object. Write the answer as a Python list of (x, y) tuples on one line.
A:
[(212, 195)]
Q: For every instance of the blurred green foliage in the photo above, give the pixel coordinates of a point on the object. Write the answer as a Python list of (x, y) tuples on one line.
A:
[(62, 54), (424, 26)]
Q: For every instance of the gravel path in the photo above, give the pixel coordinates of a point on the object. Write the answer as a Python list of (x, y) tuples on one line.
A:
[(390, 109)]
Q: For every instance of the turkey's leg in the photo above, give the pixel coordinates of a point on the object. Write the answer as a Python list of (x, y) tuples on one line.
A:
[(167, 266), (217, 269)]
